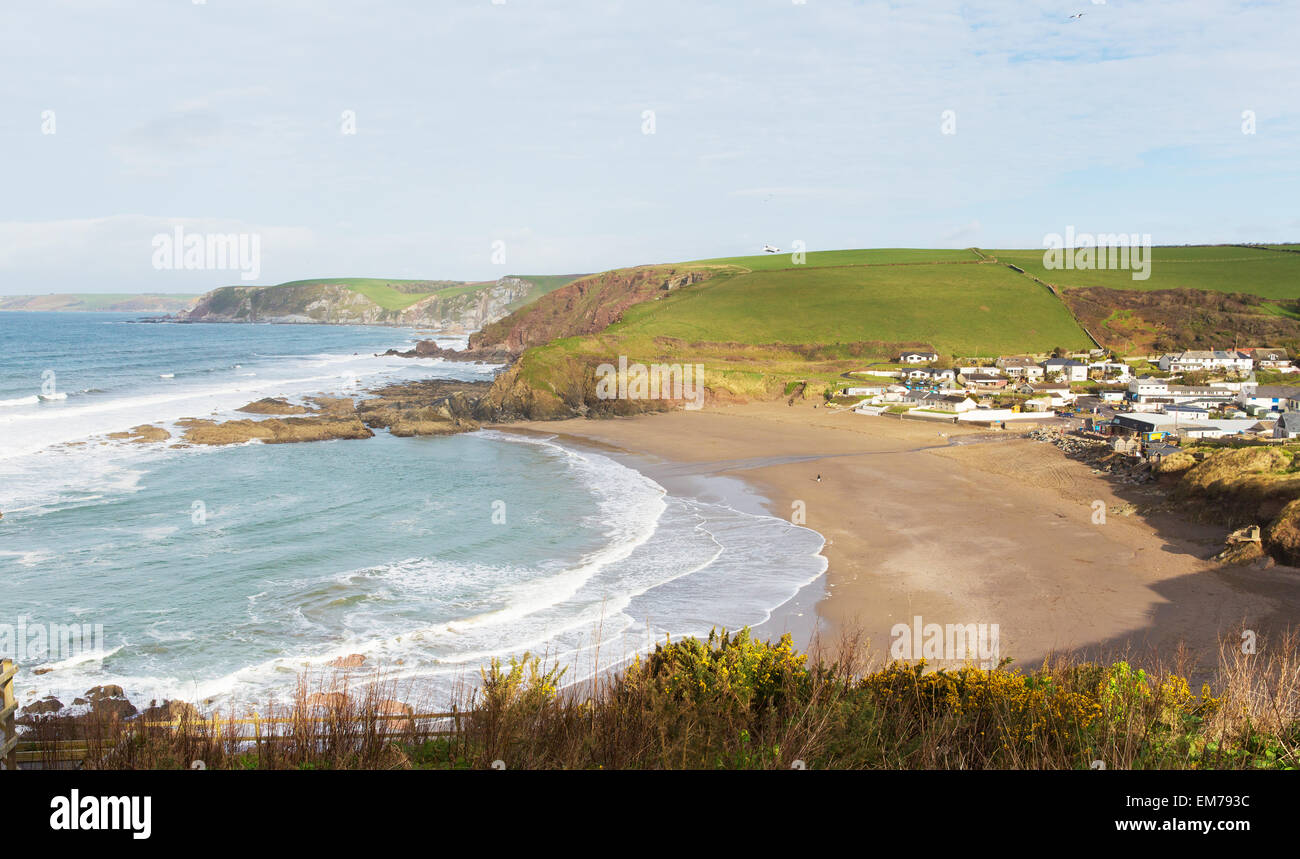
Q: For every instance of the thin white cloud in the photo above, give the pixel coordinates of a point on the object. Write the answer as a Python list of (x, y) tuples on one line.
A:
[(820, 120)]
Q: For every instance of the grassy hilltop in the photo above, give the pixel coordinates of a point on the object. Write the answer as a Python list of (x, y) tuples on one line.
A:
[(762, 323), (974, 309), (1259, 271), (1203, 297), (376, 301)]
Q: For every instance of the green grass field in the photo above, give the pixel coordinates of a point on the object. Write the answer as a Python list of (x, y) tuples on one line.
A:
[(820, 259), (758, 332), (959, 309), (388, 293), (759, 324), (1259, 271)]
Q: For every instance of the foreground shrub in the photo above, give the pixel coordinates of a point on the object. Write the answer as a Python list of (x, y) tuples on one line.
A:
[(731, 701)]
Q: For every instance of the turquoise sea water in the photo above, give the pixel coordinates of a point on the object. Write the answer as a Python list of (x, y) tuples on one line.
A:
[(222, 574)]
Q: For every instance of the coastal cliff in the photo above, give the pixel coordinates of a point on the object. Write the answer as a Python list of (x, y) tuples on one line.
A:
[(585, 306), (450, 306)]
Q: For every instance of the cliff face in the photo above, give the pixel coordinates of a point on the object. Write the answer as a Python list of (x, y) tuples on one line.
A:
[(567, 389), (586, 306), (459, 310), (1245, 486), (143, 303), (564, 386)]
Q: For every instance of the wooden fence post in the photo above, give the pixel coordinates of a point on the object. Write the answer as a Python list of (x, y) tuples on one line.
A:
[(8, 707)]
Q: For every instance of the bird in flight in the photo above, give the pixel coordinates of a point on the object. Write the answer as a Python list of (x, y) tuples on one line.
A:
[(1078, 14)]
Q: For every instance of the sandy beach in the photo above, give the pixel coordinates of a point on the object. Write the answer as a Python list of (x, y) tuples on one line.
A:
[(962, 526)]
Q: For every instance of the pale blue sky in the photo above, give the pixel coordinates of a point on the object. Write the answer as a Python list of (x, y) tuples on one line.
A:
[(522, 122)]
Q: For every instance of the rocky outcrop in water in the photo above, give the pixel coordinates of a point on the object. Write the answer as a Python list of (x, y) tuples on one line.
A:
[(142, 434), (430, 349), (274, 406), (431, 407), (272, 430)]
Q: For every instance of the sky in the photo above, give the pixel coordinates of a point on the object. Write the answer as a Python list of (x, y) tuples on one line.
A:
[(469, 139)]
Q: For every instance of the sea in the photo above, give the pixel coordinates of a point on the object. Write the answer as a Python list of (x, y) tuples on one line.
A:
[(233, 575)]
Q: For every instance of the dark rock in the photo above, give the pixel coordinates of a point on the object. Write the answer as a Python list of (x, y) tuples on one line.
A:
[(109, 702), (327, 700), (171, 711), (47, 706), (430, 349)]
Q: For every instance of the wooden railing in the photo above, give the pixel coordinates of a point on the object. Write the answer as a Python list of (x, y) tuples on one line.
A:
[(8, 708), (229, 730)]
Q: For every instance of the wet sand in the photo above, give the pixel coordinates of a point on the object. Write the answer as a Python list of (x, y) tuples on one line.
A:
[(961, 526)]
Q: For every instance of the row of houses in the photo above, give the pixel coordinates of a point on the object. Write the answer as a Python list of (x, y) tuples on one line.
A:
[(1147, 393), (1164, 427), (1009, 367), (995, 377), (1040, 396), (1238, 361)]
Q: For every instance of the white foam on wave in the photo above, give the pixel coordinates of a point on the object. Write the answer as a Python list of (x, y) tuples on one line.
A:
[(28, 430), (708, 565), (663, 565), (86, 657), (62, 477)]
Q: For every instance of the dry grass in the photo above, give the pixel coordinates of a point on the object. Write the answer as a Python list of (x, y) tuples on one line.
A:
[(734, 703)]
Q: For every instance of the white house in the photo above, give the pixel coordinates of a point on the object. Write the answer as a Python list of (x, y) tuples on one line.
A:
[(1104, 368), (1218, 428), (1059, 393), (955, 404), (988, 381), (1206, 393), (1146, 387), (1020, 365), (1194, 359), (1276, 398), (1287, 426), (1187, 413), (937, 402), (1070, 369), (932, 374), (1276, 360), (918, 357)]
